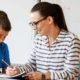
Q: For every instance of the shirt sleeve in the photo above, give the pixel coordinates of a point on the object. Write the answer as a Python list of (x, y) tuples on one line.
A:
[(71, 66), (6, 54)]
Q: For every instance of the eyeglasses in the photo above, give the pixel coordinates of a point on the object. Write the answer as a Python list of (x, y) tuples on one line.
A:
[(36, 23)]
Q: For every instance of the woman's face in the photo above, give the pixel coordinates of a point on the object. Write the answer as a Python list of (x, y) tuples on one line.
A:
[(3, 34), (39, 23)]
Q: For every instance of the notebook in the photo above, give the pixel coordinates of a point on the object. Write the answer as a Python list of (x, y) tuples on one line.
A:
[(14, 76)]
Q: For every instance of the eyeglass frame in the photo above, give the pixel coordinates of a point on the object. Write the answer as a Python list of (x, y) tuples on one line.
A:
[(37, 22)]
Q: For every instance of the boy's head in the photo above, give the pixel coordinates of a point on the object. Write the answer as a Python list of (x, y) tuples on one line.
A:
[(5, 25)]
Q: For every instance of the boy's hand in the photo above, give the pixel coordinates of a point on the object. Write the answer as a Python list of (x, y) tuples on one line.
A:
[(12, 71)]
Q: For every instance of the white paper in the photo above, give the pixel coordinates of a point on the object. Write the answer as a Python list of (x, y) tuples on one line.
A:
[(4, 76), (7, 76)]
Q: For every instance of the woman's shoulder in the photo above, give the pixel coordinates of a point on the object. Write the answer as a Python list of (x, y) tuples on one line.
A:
[(73, 36), (70, 34)]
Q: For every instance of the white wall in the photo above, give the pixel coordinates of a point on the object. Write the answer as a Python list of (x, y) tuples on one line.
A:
[(21, 37)]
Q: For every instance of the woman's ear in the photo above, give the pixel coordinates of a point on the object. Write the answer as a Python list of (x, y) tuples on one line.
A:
[(50, 19)]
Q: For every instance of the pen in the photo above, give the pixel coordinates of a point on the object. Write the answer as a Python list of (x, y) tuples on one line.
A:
[(5, 62)]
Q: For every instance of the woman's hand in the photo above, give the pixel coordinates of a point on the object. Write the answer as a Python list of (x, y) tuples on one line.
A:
[(33, 76), (12, 71), (37, 76)]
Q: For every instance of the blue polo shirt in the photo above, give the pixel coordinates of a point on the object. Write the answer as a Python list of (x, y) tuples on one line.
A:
[(4, 54)]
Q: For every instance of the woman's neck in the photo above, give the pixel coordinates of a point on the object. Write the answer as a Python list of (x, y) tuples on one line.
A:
[(53, 34)]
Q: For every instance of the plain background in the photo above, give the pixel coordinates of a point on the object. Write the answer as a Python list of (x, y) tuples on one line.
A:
[(20, 39)]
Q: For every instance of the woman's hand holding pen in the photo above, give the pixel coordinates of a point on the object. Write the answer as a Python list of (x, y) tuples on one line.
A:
[(12, 70)]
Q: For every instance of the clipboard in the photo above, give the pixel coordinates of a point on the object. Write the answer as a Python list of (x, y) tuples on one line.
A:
[(14, 76)]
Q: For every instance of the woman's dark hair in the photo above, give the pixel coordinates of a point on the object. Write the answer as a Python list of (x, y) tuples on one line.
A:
[(54, 10), (4, 21)]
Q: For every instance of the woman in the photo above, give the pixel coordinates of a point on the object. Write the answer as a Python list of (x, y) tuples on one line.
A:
[(5, 27), (56, 50)]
